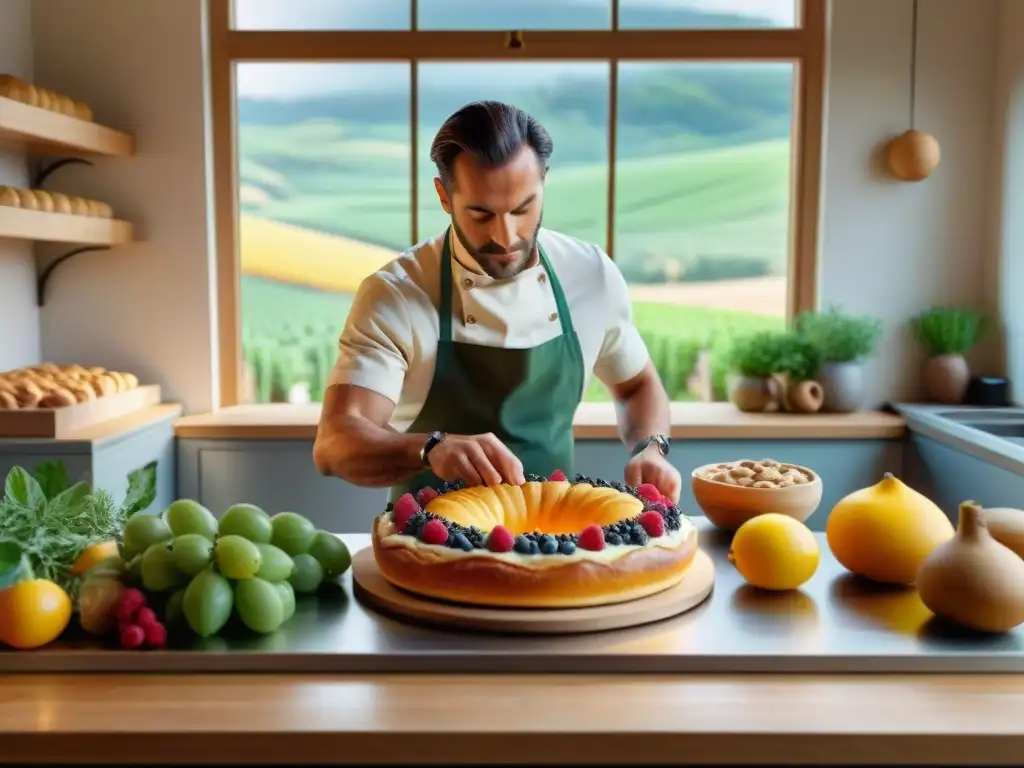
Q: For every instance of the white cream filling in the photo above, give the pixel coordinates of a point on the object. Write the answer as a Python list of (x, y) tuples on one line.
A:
[(389, 537)]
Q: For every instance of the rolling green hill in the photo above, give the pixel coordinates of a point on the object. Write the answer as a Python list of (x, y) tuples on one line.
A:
[(702, 193)]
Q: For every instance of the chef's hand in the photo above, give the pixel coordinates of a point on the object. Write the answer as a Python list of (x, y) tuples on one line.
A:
[(476, 460), (650, 466)]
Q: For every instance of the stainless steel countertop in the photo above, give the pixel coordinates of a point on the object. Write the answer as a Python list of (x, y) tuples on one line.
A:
[(834, 624)]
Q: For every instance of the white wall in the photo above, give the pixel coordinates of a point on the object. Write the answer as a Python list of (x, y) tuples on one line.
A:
[(887, 248), (19, 317), (891, 248), (1005, 278), (147, 307)]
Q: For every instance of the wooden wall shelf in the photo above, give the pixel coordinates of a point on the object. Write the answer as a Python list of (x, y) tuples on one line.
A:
[(22, 224), (49, 132)]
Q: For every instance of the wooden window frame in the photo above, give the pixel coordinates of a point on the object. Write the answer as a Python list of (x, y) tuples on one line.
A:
[(803, 46)]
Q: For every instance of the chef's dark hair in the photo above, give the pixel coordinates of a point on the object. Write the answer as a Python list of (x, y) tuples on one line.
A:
[(492, 132)]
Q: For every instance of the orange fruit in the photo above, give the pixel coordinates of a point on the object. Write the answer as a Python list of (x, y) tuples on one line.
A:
[(92, 555), (33, 613)]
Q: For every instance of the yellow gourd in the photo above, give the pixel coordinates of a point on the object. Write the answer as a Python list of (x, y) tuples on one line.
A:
[(1007, 527), (884, 532), (972, 579)]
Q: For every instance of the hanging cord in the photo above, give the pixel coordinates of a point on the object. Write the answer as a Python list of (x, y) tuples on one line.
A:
[(913, 63)]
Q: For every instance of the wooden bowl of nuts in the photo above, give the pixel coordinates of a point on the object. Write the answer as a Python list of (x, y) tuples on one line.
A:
[(731, 493)]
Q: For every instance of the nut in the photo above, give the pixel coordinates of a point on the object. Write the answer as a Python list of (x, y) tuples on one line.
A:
[(766, 474)]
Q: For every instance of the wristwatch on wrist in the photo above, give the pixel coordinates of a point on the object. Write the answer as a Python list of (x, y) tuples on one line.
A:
[(661, 440), (428, 445)]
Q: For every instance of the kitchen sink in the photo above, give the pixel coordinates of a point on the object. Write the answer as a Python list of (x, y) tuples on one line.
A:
[(984, 415)]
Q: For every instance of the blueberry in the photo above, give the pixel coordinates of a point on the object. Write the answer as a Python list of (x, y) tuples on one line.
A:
[(566, 547), (522, 545), (462, 542), (534, 548), (548, 545), (613, 538)]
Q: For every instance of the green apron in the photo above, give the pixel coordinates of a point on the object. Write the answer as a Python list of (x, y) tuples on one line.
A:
[(526, 397)]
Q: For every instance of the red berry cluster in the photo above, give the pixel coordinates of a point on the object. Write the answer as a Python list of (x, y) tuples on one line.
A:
[(137, 624)]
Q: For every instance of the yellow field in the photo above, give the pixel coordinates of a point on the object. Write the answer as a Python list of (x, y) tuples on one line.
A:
[(290, 254)]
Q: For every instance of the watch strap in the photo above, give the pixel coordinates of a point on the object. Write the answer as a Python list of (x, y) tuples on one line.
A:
[(661, 440), (433, 438)]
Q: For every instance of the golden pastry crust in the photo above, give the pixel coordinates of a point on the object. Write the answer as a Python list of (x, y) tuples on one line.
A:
[(574, 578), (538, 581)]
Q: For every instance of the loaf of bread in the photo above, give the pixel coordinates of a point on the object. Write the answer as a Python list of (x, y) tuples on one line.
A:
[(54, 386), (16, 89), (54, 202)]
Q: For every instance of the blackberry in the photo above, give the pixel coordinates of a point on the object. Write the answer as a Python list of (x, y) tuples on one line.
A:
[(390, 507), (476, 537), (620, 487), (415, 524), (548, 544), (532, 478), (602, 484), (522, 545), (639, 536), (566, 547), (613, 539)]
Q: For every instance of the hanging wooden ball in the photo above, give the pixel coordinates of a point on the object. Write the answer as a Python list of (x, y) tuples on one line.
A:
[(913, 155)]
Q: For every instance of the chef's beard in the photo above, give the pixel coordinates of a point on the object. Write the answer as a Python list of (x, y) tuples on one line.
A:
[(496, 269)]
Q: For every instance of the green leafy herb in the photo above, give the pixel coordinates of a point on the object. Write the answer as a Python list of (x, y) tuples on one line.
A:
[(52, 477), (23, 489), (756, 355), (14, 564), (949, 330), (839, 337), (52, 533), (141, 489)]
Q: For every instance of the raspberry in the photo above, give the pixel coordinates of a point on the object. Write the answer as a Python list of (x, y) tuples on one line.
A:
[(156, 634), (426, 495), (592, 537), (558, 476), (145, 617), (500, 539), (649, 492), (434, 532), (405, 507), (653, 523), (132, 636), (131, 601)]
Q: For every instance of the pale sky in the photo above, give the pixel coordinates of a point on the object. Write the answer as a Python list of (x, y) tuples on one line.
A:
[(308, 79)]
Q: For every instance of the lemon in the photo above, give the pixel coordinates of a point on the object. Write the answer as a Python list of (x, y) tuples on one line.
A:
[(775, 552)]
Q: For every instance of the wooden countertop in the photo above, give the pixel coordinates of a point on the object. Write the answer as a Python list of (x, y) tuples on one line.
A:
[(261, 719), (113, 428), (594, 421)]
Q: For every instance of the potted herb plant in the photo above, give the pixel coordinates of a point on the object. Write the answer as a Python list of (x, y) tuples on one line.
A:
[(752, 360), (947, 333), (795, 369), (843, 342)]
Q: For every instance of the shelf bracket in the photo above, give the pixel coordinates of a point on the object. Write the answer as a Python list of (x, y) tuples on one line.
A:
[(44, 172), (44, 276)]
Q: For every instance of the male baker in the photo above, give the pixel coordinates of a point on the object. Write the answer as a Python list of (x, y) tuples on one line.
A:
[(482, 340)]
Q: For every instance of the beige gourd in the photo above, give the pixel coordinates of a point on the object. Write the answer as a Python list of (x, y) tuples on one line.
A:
[(1007, 527), (972, 579)]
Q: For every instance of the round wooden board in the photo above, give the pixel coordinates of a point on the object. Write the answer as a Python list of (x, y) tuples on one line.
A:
[(370, 586)]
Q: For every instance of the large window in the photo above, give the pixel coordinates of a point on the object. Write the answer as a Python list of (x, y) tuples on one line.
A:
[(687, 143)]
